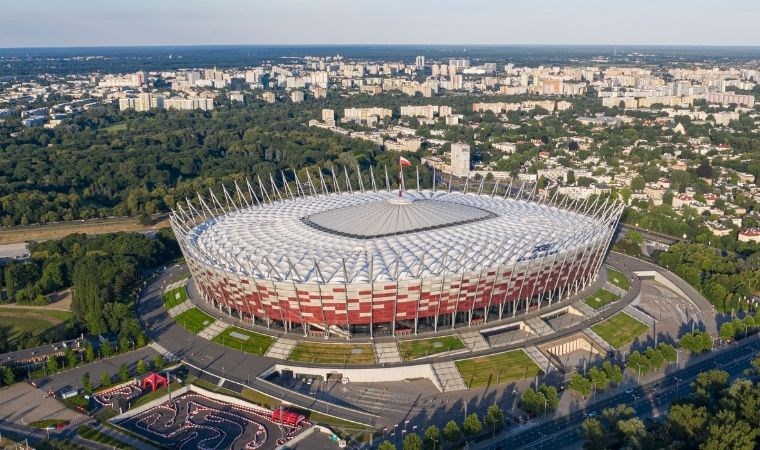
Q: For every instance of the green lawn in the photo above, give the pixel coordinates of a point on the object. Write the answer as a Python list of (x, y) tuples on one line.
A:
[(620, 329), (152, 395), (16, 321), (175, 297), (418, 348), (95, 435), (618, 279), (499, 368), (600, 298), (255, 343), (116, 127), (325, 353), (194, 320)]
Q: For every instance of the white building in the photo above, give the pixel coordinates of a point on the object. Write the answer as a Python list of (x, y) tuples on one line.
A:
[(460, 159)]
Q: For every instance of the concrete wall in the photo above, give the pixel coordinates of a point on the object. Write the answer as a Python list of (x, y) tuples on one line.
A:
[(364, 375)]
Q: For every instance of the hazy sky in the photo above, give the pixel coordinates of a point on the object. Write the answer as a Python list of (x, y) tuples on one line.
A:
[(36, 23)]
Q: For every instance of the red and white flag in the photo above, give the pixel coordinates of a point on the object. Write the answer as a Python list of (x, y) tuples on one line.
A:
[(404, 162)]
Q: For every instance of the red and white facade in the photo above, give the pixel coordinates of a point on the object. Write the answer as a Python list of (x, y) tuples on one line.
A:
[(366, 262)]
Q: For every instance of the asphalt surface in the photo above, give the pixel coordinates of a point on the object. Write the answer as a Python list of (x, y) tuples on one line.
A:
[(648, 400)]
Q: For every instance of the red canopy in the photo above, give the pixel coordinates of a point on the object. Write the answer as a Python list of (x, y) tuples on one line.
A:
[(155, 381)]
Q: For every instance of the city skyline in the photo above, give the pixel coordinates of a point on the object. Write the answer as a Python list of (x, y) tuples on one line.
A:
[(340, 22)]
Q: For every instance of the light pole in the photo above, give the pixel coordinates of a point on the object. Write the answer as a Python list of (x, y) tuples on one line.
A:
[(678, 382)]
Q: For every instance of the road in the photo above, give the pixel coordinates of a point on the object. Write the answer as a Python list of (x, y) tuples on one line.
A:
[(649, 400)]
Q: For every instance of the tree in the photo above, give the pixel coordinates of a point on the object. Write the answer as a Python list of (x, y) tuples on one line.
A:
[(638, 184), (451, 431), (668, 352), (71, 358), (412, 441), (52, 365), (580, 384), (598, 378), (158, 362), (688, 423), (432, 435), (89, 353), (654, 357), (123, 373), (9, 377), (386, 445), (471, 425), (105, 379), (632, 432), (86, 384), (494, 417), (613, 371), (106, 349), (594, 434), (532, 401), (550, 394), (123, 345), (727, 331), (141, 367)]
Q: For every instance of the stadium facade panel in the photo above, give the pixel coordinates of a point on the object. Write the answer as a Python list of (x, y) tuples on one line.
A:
[(371, 262)]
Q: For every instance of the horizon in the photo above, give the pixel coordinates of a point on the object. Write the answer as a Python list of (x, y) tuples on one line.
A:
[(87, 23)]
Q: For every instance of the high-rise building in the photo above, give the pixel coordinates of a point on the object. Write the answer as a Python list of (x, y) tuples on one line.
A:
[(419, 61), (460, 159)]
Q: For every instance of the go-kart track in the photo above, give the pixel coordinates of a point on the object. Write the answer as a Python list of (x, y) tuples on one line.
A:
[(193, 421)]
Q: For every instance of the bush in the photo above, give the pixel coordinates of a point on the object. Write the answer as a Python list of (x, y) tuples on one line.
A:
[(471, 425)]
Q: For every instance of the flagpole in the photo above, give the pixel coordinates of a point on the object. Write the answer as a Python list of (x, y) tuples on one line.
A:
[(401, 180)]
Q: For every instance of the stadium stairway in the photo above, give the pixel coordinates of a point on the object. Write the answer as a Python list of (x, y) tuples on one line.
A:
[(596, 339), (538, 326), (448, 376), (281, 348), (182, 307), (213, 330), (584, 309), (474, 341), (639, 315), (387, 353), (541, 361)]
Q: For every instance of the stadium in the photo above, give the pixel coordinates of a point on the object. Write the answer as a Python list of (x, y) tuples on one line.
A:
[(337, 261)]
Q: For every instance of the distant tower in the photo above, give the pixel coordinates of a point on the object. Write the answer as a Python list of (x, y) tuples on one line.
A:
[(614, 51)]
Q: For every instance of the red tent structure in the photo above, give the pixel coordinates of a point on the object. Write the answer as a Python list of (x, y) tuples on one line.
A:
[(287, 417), (154, 381)]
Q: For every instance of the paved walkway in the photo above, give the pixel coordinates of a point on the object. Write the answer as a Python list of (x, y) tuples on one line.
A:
[(182, 307), (449, 377), (584, 309), (281, 348), (473, 340), (213, 330), (387, 353)]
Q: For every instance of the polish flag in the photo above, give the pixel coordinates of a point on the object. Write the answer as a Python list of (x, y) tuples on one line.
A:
[(404, 162)]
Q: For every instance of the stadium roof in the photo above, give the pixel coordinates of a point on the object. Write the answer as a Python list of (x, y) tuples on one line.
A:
[(363, 236), (396, 215)]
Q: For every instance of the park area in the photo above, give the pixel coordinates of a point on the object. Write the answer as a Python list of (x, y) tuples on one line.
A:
[(420, 348), (618, 279), (325, 353), (600, 298), (499, 368), (619, 330), (244, 340), (175, 297), (16, 321), (194, 320)]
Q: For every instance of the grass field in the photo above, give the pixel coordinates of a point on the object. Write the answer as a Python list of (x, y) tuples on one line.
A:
[(618, 279), (116, 127), (175, 297), (499, 368), (57, 231), (256, 343), (194, 320), (620, 329), (15, 321), (345, 354), (600, 298), (419, 348)]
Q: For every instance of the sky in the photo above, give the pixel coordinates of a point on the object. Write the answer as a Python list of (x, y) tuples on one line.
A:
[(66, 23)]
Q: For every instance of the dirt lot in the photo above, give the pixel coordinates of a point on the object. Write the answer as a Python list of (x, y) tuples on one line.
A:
[(41, 233)]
